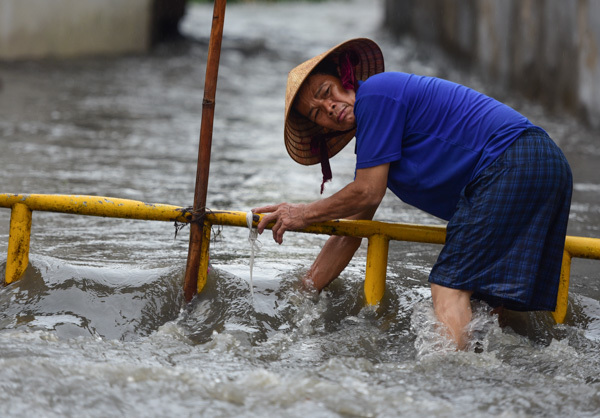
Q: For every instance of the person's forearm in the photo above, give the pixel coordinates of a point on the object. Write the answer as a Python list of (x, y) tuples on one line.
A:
[(362, 195), (335, 256), (351, 200), (331, 261)]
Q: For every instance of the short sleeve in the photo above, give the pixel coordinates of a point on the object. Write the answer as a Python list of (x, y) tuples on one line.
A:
[(380, 121)]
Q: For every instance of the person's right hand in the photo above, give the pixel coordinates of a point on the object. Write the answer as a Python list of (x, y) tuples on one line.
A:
[(286, 217)]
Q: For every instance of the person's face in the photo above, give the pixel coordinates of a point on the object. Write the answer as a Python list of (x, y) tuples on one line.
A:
[(323, 100)]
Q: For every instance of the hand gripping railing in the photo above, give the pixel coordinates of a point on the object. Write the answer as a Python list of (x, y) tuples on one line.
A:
[(378, 234)]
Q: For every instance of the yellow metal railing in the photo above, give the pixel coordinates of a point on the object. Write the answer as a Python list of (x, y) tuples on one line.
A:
[(378, 234)]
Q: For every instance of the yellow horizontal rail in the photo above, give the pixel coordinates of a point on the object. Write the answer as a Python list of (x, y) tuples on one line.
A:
[(378, 234), (583, 247), (97, 206), (364, 229)]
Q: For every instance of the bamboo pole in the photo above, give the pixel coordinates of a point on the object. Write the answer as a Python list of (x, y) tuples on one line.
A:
[(206, 129)]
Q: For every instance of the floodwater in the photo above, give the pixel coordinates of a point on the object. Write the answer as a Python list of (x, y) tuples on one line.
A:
[(98, 326)]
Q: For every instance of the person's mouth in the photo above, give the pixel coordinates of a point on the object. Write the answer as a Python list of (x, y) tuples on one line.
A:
[(342, 114)]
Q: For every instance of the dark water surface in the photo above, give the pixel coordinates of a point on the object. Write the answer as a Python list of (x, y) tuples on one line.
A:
[(98, 327)]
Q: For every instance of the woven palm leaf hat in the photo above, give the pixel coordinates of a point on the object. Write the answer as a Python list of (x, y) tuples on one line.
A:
[(299, 131)]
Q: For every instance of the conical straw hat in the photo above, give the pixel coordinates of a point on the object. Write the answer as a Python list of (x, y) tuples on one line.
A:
[(299, 130)]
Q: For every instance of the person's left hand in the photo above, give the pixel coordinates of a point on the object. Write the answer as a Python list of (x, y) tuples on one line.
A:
[(286, 217)]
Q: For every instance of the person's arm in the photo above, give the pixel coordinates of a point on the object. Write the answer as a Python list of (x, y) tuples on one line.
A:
[(334, 257), (358, 200), (363, 195)]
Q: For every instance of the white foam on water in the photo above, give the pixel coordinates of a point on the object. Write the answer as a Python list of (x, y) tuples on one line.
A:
[(252, 239), (51, 321)]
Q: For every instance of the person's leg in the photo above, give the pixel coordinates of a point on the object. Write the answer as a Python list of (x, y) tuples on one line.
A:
[(453, 309)]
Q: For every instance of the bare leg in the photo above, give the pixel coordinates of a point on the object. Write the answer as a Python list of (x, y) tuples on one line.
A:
[(453, 309)]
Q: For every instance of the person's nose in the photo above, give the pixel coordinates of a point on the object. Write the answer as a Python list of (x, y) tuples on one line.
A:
[(330, 106)]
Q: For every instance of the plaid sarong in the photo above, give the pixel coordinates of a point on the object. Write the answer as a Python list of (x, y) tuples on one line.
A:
[(505, 241)]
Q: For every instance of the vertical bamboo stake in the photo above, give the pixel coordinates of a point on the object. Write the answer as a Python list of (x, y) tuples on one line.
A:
[(206, 129)]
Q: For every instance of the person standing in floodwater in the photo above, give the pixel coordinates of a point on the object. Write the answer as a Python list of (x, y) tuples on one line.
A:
[(501, 183)]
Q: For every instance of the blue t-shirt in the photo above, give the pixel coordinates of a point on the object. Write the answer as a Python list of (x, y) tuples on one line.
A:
[(436, 135)]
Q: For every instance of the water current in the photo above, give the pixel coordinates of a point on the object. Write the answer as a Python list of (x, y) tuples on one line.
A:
[(98, 326)]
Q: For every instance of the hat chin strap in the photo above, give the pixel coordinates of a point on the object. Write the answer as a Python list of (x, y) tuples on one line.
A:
[(318, 145)]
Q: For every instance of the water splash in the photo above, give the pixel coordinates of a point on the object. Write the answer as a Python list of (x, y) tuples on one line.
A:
[(252, 239), (430, 341)]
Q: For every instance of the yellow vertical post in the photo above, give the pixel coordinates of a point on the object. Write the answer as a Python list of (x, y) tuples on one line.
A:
[(377, 257), (17, 258), (562, 299), (203, 268)]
